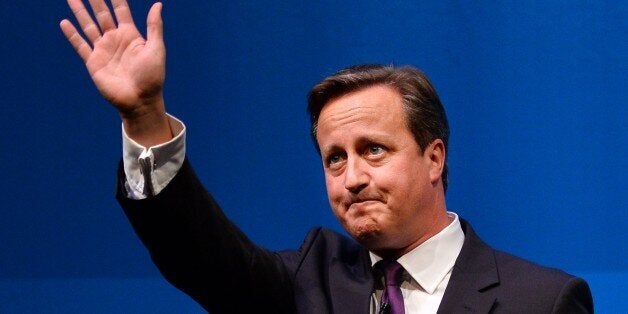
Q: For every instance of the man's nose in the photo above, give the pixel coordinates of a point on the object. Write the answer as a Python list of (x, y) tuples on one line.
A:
[(356, 176)]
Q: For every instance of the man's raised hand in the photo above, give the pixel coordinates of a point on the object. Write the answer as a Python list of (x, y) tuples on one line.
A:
[(128, 70)]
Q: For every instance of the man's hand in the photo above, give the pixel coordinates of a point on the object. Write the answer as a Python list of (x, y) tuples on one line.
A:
[(128, 70)]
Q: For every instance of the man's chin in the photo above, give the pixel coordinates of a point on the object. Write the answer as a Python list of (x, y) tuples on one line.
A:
[(366, 234)]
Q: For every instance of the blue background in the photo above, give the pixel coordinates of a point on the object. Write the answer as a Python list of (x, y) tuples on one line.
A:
[(535, 93)]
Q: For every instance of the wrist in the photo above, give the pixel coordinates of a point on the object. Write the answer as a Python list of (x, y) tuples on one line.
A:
[(148, 123)]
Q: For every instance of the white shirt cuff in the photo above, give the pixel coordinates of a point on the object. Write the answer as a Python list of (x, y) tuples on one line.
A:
[(156, 165)]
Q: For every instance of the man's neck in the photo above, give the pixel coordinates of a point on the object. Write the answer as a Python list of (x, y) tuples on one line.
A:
[(440, 222)]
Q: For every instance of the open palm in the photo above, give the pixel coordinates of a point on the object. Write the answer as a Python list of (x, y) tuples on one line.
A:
[(127, 69)]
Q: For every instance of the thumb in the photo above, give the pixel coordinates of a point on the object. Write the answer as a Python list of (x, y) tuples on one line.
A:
[(155, 25)]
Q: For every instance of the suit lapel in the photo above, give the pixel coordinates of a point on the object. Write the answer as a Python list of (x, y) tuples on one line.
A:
[(472, 278), (350, 284)]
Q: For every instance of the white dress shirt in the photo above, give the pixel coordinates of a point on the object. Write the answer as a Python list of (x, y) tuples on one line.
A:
[(157, 164), (427, 267), (427, 270)]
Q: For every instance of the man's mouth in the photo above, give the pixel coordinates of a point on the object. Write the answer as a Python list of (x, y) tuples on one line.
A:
[(360, 204)]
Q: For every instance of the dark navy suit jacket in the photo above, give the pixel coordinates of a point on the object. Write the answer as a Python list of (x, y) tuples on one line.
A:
[(202, 253)]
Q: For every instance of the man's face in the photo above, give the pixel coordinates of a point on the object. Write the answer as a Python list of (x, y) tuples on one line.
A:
[(380, 185)]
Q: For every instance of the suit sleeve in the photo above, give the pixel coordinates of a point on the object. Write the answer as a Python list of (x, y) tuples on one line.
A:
[(575, 297), (201, 252)]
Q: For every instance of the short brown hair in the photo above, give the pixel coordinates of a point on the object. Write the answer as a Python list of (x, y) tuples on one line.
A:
[(425, 115)]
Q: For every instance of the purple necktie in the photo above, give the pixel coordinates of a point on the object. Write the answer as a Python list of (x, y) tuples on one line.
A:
[(392, 300)]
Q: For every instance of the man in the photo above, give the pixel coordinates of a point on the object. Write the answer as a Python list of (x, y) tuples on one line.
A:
[(382, 134)]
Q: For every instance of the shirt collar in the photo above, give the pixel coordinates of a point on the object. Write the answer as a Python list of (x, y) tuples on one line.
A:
[(429, 263)]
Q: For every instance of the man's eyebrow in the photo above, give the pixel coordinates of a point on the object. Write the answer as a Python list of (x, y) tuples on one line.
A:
[(380, 138), (373, 138), (330, 149)]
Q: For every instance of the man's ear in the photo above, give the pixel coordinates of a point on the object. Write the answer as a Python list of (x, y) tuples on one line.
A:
[(436, 153)]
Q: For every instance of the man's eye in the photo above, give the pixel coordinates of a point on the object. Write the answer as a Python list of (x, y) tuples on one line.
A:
[(334, 159), (375, 150)]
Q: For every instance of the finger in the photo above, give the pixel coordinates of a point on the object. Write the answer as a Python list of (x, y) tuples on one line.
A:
[(122, 11), (103, 15), (85, 20), (76, 40), (155, 25)]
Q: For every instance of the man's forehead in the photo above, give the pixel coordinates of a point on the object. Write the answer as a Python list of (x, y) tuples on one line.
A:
[(375, 88), (369, 115), (378, 99)]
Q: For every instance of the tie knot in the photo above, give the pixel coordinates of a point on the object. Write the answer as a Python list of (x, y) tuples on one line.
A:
[(393, 272)]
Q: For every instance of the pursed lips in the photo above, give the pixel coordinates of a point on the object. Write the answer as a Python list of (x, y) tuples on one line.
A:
[(361, 202)]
